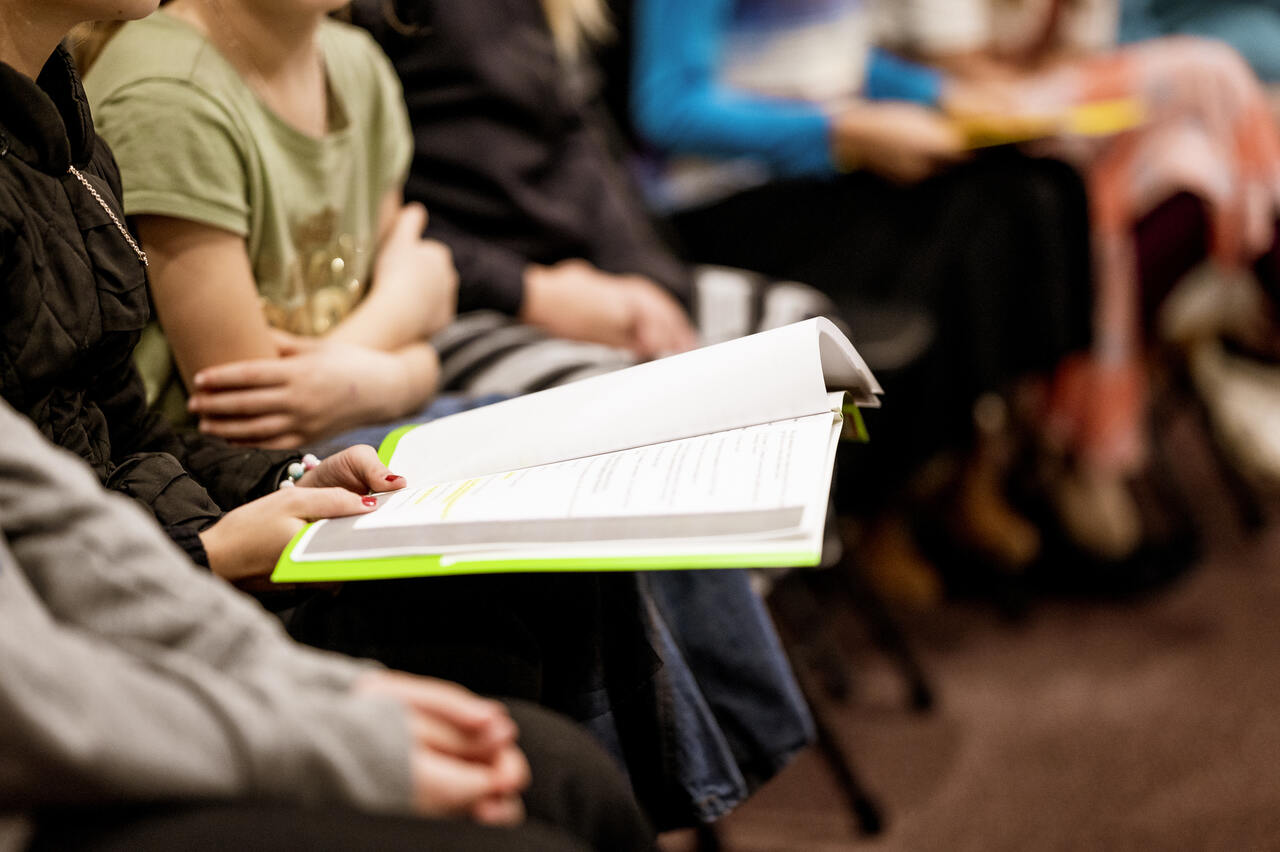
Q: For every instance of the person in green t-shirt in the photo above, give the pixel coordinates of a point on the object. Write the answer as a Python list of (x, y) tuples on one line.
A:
[(263, 148)]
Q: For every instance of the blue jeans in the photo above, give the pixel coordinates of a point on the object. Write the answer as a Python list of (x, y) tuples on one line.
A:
[(737, 712)]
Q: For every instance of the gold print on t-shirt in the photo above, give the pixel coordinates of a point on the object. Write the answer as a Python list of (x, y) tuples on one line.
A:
[(323, 283)]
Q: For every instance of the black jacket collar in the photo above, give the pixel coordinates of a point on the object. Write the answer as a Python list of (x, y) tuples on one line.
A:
[(46, 123)]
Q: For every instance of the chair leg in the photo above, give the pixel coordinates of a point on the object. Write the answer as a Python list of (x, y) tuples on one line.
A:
[(861, 804), (803, 618), (890, 637), (820, 671)]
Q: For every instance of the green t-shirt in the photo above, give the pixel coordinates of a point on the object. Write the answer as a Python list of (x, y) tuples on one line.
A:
[(195, 142)]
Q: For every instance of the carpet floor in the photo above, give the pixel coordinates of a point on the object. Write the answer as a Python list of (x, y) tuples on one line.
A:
[(1085, 725)]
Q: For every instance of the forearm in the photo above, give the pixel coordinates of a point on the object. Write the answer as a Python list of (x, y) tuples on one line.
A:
[(892, 78), (793, 138), (394, 385), (381, 321), (82, 720), (102, 565), (415, 286), (100, 725), (418, 378), (681, 106), (388, 386)]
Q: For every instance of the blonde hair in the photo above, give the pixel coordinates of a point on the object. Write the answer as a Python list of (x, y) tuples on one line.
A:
[(576, 23)]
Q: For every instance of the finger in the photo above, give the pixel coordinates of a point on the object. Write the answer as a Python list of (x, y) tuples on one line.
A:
[(680, 334), (484, 745), (291, 344), (450, 701), (647, 343), (409, 224), (511, 770), (287, 441), (662, 326), (654, 335), (255, 429), (459, 706), (688, 339), (683, 336), (261, 372), (437, 734), (356, 468), (499, 810), (908, 170), (239, 403), (313, 504), (447, 786), (948, 141)]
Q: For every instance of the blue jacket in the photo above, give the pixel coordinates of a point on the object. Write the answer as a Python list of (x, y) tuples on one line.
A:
[(681, 106)]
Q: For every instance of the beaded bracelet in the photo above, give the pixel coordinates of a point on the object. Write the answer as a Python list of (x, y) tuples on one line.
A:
[(298, 469)]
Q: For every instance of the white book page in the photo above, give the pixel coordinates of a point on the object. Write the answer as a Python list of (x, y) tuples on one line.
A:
[(755, 484), (766, 377), (758, 467)]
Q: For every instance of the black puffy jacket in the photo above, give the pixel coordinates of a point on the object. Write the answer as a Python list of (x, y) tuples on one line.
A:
[(73, 307)]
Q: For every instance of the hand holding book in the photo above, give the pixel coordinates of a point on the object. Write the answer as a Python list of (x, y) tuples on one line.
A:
[(720, 457)]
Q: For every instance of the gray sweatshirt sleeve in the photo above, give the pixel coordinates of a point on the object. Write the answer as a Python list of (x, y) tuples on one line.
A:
[(127, 673)]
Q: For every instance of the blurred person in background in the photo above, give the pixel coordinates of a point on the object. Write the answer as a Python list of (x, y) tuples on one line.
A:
[(783, 139), (1197, 175)]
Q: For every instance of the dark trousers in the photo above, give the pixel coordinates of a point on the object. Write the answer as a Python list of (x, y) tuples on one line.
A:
[(995, 253), (566, 641), (578, 801)]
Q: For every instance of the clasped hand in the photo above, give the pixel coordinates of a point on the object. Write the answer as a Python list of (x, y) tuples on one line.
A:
[(575, 300), (464, 761), (903, 142)]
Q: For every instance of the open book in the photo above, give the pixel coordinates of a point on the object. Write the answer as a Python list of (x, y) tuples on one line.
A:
[(719, 457), (1091, 119)]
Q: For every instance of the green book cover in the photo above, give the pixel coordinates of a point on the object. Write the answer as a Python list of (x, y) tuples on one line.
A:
[(718, 458)]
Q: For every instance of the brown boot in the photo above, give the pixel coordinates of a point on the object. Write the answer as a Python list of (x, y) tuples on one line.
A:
[(895, 568), (980, 518)]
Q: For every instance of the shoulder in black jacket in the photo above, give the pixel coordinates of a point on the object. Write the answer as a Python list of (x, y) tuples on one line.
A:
[(74, 304)]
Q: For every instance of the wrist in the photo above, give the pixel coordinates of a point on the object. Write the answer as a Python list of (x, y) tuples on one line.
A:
[(849, 131), (419, 375), (211, 540), (536, 279), (846, 154)]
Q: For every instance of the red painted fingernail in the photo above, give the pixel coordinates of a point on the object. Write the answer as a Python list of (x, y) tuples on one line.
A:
[(394, 478), (369, 501)]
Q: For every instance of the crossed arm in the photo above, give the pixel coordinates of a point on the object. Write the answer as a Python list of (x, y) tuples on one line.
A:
[(255, 385)]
